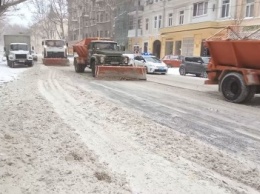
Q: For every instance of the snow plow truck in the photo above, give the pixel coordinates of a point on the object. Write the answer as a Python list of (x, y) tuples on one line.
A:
[(55, 52), (105, 60), (235, 62)]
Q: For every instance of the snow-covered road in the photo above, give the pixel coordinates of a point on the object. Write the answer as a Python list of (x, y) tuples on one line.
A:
[(63, 132)]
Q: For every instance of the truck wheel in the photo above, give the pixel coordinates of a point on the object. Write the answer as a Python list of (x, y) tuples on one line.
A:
[(182, 71), (251, 94), (12, 64), (30, 64), (233, 88), (93, 68), (78, 67), (204, 74)]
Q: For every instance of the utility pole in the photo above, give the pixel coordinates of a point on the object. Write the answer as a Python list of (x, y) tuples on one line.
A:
[(136, 18), (136, 23)]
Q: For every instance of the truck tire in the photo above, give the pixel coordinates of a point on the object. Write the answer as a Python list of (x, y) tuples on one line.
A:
[(233, 88), (30, 64), (93, 68), (251, 94), (182, 71), (12, 64), (78, 67), (204, 74)]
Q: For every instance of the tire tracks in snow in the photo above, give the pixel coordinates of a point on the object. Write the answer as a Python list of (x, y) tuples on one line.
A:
[(147, 172)]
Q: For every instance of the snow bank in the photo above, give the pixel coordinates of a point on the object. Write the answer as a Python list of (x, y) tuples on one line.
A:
[(173, 71), (8, 74)]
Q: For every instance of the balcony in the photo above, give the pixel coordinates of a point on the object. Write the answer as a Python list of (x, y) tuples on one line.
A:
[(132, 10), (131, 33), (74, 19)]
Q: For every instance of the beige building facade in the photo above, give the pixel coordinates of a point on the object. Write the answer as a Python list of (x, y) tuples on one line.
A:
[(180, 27)]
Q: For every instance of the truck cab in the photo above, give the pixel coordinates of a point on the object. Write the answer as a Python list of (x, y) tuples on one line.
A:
[(55, 48), (19, 53)]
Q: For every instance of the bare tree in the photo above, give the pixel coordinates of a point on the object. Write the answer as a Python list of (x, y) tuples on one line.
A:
[(6, 4), (42, 19), (60, 12), (52, 16)]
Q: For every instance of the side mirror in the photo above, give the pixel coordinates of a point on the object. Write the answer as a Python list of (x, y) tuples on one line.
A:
[(42, 43), (32, 47)]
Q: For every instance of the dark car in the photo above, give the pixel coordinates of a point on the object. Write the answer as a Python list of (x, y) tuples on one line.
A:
[(194, 65)]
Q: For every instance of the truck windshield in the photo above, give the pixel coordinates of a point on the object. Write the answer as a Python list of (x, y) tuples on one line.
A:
[(19, 47), (105, 46), (54, 43)]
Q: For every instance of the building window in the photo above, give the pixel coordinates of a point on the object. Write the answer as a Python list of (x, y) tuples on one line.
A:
[(155, 22), (160, 21), (146, 24), (200, 8), (146, 47), (139, 23), (187, 46), (181, 17), (225, 8), (101, 17), (131, 23), (170, 19), (250, 8)]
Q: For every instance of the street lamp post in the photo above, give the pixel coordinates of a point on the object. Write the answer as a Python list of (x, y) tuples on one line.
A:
[(80, 13)]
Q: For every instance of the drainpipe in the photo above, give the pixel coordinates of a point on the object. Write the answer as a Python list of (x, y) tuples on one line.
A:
[(136, 20), (163, 16)]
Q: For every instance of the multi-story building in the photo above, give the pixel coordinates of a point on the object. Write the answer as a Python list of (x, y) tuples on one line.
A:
[(159, 26), (135, 21), (121, 19), (181, 26), (89, 18)]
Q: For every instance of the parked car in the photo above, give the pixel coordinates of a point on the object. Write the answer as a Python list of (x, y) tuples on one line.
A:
[(34, 55), (194, 65), (152, 64), (172, 60), (133, 60)]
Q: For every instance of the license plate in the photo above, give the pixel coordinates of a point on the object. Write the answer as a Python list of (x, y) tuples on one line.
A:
[(114, 63), (21, 61)]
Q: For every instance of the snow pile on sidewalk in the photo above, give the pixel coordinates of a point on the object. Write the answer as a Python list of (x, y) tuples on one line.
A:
[(173, 71), (8, 74)]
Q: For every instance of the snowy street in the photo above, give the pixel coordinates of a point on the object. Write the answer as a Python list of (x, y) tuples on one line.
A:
[(63, 132)]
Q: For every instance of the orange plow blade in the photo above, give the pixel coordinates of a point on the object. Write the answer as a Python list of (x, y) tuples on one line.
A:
[(121, 72), (56, 62)]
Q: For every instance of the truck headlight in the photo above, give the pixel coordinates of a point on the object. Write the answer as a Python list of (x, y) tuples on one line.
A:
[(126, 60), (11, 56), (102, 59)]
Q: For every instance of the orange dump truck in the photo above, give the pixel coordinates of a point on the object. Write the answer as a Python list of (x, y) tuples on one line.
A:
[(105, 60), (235, 63)]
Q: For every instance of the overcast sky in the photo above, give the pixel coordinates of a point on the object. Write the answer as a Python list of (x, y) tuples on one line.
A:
[(22, 16)]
